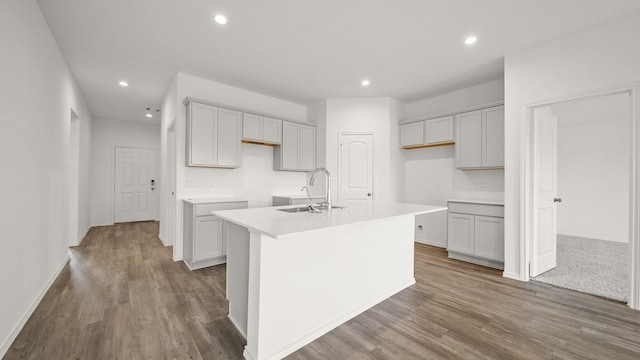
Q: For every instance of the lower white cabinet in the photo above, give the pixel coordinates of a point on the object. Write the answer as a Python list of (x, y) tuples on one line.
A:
[(204, 233), (475, 233)]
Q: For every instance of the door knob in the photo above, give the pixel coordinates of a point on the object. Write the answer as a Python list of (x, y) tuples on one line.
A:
[(555, 199)]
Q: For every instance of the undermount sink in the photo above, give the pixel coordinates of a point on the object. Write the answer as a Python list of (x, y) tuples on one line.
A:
[(296, 209), (316, 209)]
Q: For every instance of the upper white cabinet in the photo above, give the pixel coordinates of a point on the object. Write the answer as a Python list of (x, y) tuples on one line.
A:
[(469, 139), (412, 135), (493, 137), (438, 130), (480, 139), (213, 136), (261, 129), (426, 133), (297, 151)]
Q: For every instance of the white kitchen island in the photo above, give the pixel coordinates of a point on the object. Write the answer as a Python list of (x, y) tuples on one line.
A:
[(292, 277)]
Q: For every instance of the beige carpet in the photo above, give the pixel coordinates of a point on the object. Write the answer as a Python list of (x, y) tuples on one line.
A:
[(591, 266)]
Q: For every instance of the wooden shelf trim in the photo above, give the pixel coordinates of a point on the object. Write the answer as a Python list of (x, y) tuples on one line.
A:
[(427, 145), (255, 142)]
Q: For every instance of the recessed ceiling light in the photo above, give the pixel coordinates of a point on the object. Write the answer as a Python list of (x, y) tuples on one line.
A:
[(149, 115), (366, 82), (470, 40), (220, 19), (123, 83)]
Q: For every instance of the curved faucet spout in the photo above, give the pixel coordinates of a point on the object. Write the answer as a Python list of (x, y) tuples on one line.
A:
[(328, 187)]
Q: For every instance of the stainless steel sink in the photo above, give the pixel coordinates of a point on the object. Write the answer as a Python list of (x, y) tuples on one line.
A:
[(316, 209), (296, 209)]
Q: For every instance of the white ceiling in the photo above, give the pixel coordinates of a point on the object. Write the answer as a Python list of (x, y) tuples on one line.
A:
[(302, 50)]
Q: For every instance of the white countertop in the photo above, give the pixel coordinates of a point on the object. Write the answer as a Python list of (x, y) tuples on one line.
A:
[(478, 201), (213, 200), (274, 223)]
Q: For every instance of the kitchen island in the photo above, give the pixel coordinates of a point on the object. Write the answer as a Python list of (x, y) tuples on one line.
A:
[(292, 277)]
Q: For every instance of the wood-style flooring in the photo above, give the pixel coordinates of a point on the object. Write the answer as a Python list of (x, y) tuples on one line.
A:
[(123, 297)]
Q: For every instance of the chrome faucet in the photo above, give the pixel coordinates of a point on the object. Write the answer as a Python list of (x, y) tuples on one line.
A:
[(327, 203), (309, 196)]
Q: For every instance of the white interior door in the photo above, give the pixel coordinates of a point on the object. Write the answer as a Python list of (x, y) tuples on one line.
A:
[(356, 167), (544, 191), (135, 175)]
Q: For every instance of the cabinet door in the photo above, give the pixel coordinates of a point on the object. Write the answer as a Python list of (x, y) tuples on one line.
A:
[(289, 147), (207, 243), (252, 127), (489, 237), (493, 137), (460, 233), (439, 130), (307, 148), (201, 134), (271, 130), (412, 134), (228, 138), (468, 139)]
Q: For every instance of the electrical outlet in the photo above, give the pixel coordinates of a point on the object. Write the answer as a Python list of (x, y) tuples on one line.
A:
[(482, 187)]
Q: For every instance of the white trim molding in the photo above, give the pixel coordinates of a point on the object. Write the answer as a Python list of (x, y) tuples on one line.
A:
[(81, 237)]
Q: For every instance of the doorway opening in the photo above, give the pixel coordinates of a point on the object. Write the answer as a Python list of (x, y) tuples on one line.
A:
[(581, 198), (74, 180)]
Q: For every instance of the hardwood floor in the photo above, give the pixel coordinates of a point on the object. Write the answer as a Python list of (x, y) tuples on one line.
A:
[(123, 297)]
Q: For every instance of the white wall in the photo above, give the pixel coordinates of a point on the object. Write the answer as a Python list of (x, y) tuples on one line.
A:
[(593, 167), (581, 62), (106, 134), (37, 94), (255, 180), (485, 93), (431, 176), (362, 115)]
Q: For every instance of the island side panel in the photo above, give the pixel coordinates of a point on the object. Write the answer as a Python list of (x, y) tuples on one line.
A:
[(303, 286), (237, 274)]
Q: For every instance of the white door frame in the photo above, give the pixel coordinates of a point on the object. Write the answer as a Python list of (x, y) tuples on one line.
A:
[(373, 165), (114, 180), (73, 236), (171, 184), (527, 176)]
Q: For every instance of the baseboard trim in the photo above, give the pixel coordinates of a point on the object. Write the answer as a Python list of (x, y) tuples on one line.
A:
[(476, 260), (162, 240), (511, 276), (81, 237), (233, 321), (431, 243), (32, 308)]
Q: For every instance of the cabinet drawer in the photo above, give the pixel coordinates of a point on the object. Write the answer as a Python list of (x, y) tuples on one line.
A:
[(476, 209), (206, 209)]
